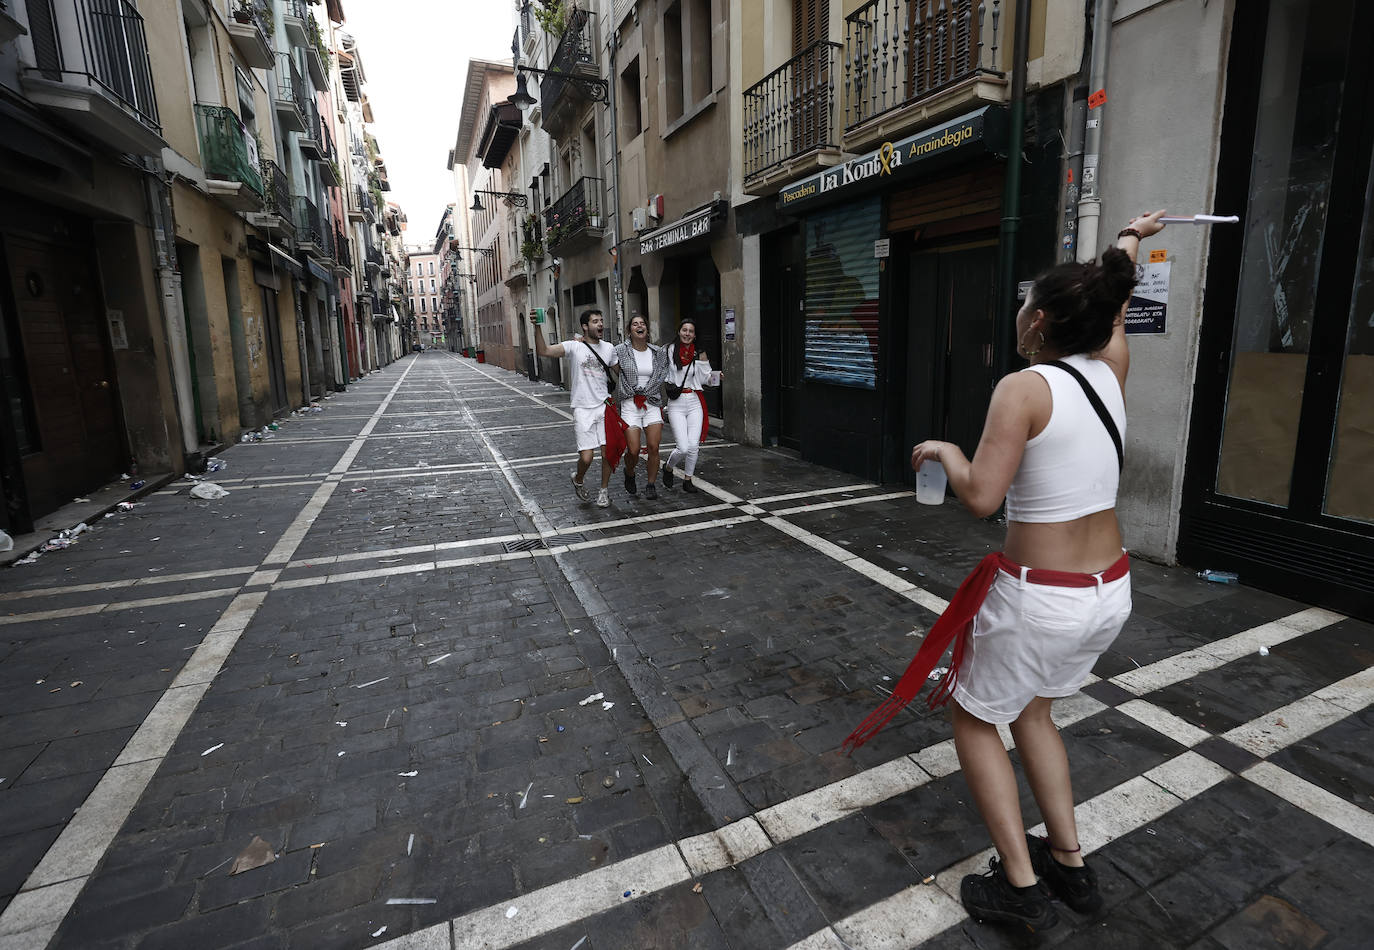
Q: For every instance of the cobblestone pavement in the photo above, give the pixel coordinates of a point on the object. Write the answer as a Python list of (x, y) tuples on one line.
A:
[(463, 709)]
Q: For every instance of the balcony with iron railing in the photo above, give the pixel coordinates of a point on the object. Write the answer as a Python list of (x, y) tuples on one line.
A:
[(294, 16), (790, 120), (343, 256), (309, 139), (92, 67), (289, 96), (250, 31), (230, 174), (277, 213), (910, 62), (330, 173), (574, 55), (374, 257), (574, 220), (316, 55), (312, 235)]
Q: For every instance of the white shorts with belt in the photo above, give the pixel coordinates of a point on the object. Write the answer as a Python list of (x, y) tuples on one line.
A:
[(637, 418), (1032, 640)]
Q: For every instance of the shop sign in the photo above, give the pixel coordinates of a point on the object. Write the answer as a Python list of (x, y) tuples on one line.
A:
[(1150, 300), (730, 324), (684, 229), (119, 337), (896, 160)]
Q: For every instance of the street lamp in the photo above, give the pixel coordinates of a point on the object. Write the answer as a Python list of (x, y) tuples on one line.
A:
[(519, 200), (458, 249), (597, 90)]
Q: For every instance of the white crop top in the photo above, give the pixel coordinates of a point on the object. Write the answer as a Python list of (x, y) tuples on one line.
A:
[(1070, 469)]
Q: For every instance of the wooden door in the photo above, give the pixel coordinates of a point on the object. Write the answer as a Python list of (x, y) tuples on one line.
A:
[(71, 379)]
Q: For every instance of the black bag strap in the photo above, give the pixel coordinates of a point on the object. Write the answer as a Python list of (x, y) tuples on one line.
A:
[(610, 380), (1096, 401)]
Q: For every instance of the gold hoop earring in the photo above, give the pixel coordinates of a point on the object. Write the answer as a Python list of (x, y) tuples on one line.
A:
[(1026, 351)]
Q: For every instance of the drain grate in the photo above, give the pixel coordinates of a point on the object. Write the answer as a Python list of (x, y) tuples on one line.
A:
[(538, 544)]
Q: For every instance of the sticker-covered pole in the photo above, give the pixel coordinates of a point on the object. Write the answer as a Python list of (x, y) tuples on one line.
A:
[(1090, 202)]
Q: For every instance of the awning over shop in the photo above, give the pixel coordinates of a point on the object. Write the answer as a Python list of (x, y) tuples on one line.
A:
[(979, 132)]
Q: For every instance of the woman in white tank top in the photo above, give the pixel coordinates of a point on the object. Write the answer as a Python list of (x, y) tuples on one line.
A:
[(1057, 595)]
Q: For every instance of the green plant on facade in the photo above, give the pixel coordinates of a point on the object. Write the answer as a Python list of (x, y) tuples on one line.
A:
[(552, 16), (317, 40), (531, 249), (334, 167)]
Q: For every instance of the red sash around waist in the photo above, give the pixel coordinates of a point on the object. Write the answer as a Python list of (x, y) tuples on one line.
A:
[(954, 626)]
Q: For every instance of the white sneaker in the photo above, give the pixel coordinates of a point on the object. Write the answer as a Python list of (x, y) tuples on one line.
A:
[(603, 499), (581, 489)]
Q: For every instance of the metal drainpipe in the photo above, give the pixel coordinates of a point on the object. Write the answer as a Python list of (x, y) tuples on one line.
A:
[(1011, 191), (1078, 111), (1090, 204), (617, 292)]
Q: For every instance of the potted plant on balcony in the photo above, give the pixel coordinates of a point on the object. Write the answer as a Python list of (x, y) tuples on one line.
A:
[(244, 11), (531, 249), (552, 16)]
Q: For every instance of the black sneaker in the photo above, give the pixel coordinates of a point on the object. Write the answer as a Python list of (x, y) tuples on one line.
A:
[(651, 491), (630, 486), (991, 898), (667, 477), (1076, 887), (688, 487)]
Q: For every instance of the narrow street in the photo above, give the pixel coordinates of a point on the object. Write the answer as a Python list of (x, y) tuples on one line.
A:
[(465, 710)]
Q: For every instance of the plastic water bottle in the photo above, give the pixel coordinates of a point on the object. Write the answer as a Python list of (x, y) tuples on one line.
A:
[(1219, 577)]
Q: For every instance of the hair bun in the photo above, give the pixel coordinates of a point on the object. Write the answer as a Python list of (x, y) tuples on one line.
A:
[(1114, 279)]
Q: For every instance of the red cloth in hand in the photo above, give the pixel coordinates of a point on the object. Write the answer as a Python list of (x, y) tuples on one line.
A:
[(685, 354), (615, 436)]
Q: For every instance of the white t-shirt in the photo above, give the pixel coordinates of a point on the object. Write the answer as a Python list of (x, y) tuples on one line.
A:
[(588, 378), (644, 364)]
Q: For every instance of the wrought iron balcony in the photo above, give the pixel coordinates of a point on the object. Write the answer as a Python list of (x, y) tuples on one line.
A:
[(309, 140), (900, 52), (224, 154), (276, 197), (330, 173), (575, 54), (374, 257), (311, 234), (316, 54), (790, 113), (575, 219), (289, 99), (250, 33), (294, 16), (343, 257), (92, 66)]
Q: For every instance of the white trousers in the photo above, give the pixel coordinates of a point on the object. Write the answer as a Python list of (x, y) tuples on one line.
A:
[(684, 417)]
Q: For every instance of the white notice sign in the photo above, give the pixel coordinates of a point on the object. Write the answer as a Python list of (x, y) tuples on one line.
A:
[(1150, 300)]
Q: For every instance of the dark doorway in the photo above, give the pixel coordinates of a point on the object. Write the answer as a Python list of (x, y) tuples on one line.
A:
[(1281, 455), (782, 336), (949, 314), (271, 332), (699, 299), (62, 330)]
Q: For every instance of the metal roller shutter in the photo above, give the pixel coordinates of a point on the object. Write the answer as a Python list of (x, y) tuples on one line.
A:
[(842, 296)]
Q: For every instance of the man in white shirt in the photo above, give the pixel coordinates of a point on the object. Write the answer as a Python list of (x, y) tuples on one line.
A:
[(593, 372)]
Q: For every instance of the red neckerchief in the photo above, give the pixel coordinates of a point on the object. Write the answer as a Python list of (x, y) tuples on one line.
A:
[(685, 354)]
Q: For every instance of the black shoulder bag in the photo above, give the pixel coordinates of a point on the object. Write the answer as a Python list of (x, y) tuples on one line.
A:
[(1096, 401), (668, 387)]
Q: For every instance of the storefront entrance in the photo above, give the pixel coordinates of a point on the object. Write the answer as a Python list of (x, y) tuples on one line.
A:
[(699, 299), (1281, 457)]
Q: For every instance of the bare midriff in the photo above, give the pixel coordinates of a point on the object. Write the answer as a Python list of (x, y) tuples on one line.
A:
[(1086, 545)]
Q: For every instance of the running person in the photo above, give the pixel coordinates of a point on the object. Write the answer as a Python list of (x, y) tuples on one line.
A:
[(643, 367), (593, 369), (689, 369), (1030, 622)]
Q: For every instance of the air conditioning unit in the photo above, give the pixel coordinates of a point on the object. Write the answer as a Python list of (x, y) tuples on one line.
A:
[(655, 207), (639, 219)]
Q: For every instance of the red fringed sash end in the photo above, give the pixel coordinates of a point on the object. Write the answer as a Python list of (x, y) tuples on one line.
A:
[(953, 627)]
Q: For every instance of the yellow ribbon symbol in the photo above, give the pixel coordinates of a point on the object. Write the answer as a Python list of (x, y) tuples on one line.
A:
[(885, 156)]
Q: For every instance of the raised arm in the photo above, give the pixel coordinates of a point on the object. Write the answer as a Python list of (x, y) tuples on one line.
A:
[(1116, 354), (540, 347)]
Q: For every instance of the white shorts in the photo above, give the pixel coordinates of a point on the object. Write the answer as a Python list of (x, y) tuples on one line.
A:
[(590, 426), (637, 418), (1032, 640)]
